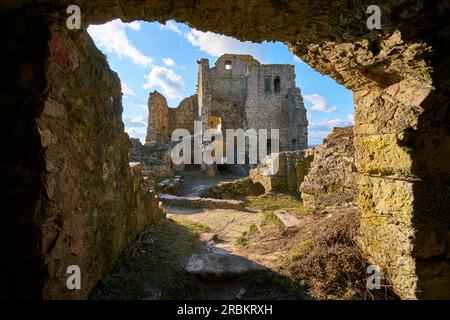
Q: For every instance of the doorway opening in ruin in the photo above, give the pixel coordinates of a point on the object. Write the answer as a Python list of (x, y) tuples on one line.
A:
[(74, 168), (237, 91)]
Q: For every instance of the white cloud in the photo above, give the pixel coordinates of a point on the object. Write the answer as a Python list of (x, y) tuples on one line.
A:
[(217, 44), (136, 132), (112, 38), (126, 91), (319, 103), (171, 83), (327, 123), (171, 26), (135, 121), (317, 131), (168, 62), (135, 25)]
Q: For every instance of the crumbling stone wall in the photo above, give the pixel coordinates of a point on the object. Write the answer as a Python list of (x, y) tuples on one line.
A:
[(158, 130), (399, 76), (183, 116), (162, 120), (90, 203), (331, 177), (283, 109), (292, 168), (242, 93), (93, 203), (321, 176)]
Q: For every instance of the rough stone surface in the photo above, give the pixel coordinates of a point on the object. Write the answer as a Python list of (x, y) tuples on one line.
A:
[(253, 95), (237, 189), (197, 202), (289, 219), (90, 203), (292, 168), (219, 265), (399, 76), (162, 120), (331, 178)]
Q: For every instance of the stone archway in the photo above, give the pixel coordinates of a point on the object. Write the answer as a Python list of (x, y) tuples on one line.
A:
[(66, 144)]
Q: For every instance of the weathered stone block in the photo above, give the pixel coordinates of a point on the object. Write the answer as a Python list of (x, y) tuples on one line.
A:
[(382, 155)]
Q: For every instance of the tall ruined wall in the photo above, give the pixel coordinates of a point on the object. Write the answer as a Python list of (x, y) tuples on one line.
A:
[(183, 116), (94, 204), (298, 123), (158, 131), (400, 79), (228, 89), (266, 109), (237, 84), (91, 204)]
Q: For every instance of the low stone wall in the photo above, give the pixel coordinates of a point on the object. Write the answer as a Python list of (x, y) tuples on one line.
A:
[(237, 189), (292, 167), (321, 176), (197, 202), (155, 158)]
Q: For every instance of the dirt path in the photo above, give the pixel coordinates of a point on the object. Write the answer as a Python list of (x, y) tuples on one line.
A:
[(206, 254)]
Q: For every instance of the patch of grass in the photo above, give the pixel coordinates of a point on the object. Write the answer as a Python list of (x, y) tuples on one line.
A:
[(242, 240), (253, 229), (150, 268), (193, 226), (268, 204), (301, 249), (275, 202)]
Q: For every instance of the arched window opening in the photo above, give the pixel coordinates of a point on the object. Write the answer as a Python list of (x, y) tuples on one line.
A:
[(228, 65), (276, 84), (267, 82)]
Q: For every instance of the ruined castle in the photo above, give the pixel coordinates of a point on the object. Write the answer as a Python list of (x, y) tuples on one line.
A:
[(237, 93)]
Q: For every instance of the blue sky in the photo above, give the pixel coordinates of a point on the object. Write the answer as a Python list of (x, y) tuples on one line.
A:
[(153, 56)]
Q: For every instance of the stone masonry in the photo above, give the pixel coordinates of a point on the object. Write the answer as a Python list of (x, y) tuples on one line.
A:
[(399, 76), (241, 92)]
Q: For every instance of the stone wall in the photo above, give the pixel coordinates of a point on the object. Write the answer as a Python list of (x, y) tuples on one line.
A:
[(239, 97), (277, 110), (183, 116), (228, 89), (158, 130), (90, 204), (292, 168), (234, 190), (400, 79), (136, 150), (331, 178)]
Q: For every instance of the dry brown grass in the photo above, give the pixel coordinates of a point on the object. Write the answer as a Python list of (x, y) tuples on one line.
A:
[(328, 260)]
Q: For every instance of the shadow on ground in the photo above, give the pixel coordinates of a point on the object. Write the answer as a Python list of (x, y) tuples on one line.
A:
[(152, 268)]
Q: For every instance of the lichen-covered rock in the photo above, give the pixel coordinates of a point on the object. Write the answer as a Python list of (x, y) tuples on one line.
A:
[(331, 179)]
